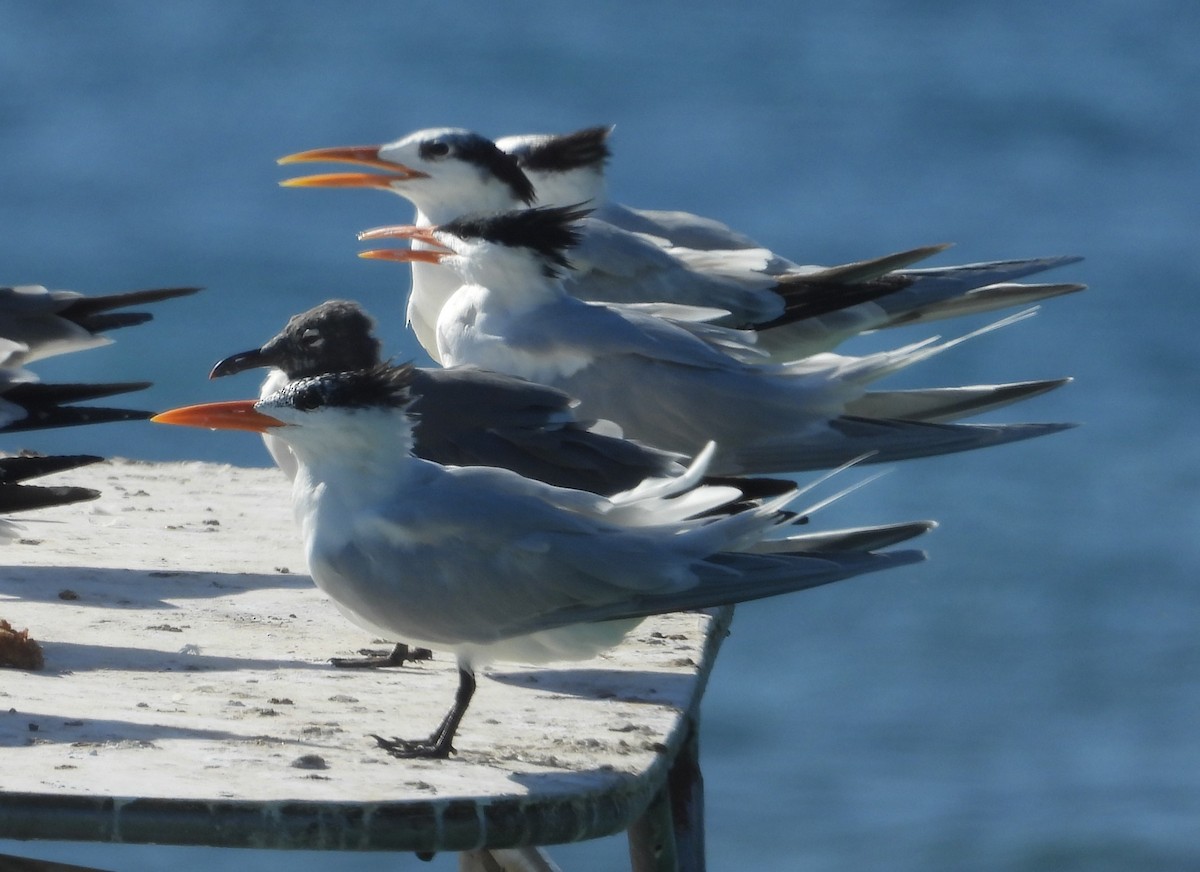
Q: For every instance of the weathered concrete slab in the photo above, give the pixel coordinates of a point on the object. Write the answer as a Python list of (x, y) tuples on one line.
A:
[(186, 696)]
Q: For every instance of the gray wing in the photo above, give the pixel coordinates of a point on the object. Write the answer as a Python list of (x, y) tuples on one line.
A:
[(942, 405), (681, 228), (729, 578), (917, 296), (615, 266), (468, 417)]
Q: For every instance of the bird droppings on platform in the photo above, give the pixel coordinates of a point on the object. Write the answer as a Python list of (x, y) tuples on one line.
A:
[(192, 672)]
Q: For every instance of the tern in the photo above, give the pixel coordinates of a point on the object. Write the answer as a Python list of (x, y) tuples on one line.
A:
[(37, 323), (448, 173), (464, 416), (491, 565), (675, 383), (49, 322), (468, 417)]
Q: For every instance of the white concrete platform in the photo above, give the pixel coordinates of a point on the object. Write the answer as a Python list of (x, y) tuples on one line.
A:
[(186, 696)]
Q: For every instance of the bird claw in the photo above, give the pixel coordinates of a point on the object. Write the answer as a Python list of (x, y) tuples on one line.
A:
[(415, 749), (374, 659)]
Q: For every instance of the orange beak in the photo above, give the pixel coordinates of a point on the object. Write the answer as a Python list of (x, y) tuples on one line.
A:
[(424, 235), (348, 180), (403, 231), (362, 155), (404, 255), (235, 415)]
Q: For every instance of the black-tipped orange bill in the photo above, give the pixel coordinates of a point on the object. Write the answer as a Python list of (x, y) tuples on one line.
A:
[(349, 180), (234, 415), (404, 255)]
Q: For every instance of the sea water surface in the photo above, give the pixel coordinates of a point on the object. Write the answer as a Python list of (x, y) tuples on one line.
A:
[(1029, 698)]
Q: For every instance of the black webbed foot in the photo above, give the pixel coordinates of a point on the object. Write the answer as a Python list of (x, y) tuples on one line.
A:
[(374, 659), (438, 746), (416, 749)]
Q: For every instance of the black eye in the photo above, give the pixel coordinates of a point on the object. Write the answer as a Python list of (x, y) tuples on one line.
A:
[(306, 400), (435, 149)]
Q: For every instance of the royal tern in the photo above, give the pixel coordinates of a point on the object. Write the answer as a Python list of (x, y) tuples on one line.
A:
[(448, 173), (494, 566), (468, 417), (463, 417), (678, 384)]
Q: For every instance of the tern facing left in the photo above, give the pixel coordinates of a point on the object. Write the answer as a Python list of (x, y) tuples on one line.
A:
[(494, 566), (671, 379)]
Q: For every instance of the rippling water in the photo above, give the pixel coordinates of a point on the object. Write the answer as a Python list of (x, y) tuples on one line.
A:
[(1026, 700)]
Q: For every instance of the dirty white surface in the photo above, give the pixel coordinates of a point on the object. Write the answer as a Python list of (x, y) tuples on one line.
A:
[(186, 695)]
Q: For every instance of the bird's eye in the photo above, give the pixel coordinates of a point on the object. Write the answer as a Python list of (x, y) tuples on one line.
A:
[(312, 338), (435, 149), (307, 400)]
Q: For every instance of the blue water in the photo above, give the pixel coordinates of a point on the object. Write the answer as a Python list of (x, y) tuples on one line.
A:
[(1026, 700)]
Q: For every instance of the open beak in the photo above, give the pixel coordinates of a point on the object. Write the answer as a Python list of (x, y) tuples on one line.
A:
[(234, 415), (403, 231), (436, 252), (404, 255), (349, 180), (362, 155)]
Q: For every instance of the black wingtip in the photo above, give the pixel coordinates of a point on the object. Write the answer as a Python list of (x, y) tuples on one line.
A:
[(31, 395), (25, 467), (23, 498), (95, 313)]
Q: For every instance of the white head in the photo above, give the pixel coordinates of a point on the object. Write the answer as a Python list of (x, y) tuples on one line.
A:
[(445, 172), (352, 425), (526, 247)]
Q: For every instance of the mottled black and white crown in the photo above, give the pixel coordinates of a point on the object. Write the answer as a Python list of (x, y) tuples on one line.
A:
[(383, 386)]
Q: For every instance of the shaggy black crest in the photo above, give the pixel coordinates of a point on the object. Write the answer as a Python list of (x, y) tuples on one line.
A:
[(583, 148), (336, 336), (549, 230), (483, 153), (382, 385)]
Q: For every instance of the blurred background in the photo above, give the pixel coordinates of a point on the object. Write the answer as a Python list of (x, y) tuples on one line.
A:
[(1026, 700)]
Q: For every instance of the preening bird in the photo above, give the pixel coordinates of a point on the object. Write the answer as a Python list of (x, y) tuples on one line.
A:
[(449, 173), (491, 565), (672, 379)]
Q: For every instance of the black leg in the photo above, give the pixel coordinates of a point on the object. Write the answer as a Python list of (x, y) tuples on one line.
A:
[(438, 745), (399, 655)]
